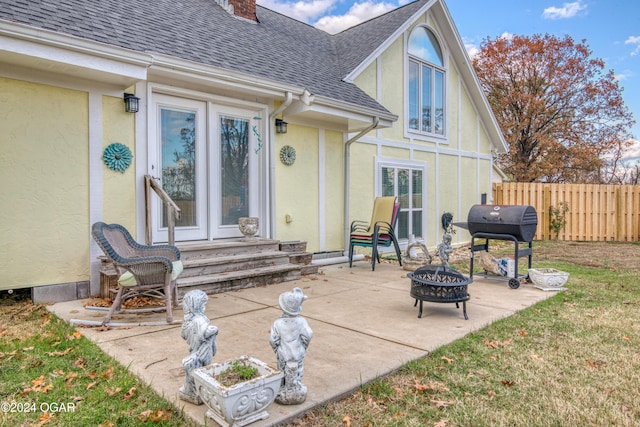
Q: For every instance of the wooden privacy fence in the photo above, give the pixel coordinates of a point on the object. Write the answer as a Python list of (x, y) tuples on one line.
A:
[(596, 212)]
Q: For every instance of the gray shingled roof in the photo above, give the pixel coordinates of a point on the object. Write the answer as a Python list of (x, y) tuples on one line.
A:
[(355, 44), (278, 47)]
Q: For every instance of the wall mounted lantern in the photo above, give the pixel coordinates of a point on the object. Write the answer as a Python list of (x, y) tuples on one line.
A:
[(131, 103), (281, 126)]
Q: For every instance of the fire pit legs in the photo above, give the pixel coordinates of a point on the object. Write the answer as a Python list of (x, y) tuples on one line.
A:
[(464, 309)]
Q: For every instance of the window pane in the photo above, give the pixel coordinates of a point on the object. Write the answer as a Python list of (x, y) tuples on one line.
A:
[(439, 102), (234, 149), (388, 178), (403, 188), (424, 45), (177, 129), (402, 231), (414, 88), (416, 176), (417, 223), (426, 99)]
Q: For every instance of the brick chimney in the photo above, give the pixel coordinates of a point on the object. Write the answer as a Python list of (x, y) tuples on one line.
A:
[(244, 9)]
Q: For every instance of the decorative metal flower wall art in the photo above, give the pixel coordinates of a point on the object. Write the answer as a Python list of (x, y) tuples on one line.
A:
[(288, 155), (117, 157)]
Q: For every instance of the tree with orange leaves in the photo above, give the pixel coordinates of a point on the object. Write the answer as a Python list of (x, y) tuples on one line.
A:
[(562, 116)]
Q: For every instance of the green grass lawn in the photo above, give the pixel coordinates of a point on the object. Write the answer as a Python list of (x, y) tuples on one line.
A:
[(571, 360), (51, 375)]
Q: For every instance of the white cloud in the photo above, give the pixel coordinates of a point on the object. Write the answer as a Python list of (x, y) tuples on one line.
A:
[(632, 154), (623, 75), (506, 36), (634, 40), (302, 10), (568, 10), (358, 13)]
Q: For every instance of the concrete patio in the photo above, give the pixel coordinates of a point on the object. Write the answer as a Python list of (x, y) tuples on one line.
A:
[(364, 324)]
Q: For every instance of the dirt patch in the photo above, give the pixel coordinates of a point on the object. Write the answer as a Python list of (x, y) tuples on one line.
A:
[(615, 256)]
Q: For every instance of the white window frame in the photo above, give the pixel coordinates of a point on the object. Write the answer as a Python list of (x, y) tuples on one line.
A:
[(411, 165), (419, 133)]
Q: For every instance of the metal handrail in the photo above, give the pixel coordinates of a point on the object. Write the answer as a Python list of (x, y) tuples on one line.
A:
[(173, 211)]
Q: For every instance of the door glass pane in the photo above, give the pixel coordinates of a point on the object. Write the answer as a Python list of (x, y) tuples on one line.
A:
[(416, 176), (234, 174), (402, 231), (417, 223), (178, 136), (387, 182), (403, 188)]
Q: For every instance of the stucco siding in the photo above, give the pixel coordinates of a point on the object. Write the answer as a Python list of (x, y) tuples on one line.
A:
[(297, 187), (469, 129), (334, 191), (119, 189), (362, 182), (453, 99), (44, 185), (392, 91)]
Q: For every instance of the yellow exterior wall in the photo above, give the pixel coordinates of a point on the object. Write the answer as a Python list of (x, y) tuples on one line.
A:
[(297, 187), (362, 182), (393, 95), (368, 80), (469, 131), (119, 189), (44, 185), (334, 191), (453, 92)]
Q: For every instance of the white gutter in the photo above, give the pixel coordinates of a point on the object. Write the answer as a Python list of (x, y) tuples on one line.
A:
[(272, 164), (347, 176)]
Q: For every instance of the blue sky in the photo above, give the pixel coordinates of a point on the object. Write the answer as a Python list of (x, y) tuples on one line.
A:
[(611, 28)]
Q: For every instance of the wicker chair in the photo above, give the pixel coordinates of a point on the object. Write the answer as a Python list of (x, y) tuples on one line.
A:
[(378, 232), (143, 270)]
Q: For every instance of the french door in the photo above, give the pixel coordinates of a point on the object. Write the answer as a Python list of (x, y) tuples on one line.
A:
[(204, 156)]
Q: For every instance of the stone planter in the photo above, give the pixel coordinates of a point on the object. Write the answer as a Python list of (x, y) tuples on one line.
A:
[(548, 279), (242, 403), (248, 226)]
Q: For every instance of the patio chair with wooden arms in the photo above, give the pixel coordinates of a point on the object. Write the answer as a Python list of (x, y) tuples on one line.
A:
[(142, 270), (378, 232)]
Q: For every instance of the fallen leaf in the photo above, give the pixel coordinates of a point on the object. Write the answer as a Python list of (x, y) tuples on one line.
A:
[(535, 357), (59, 353), (508, 383), (523, 333), (626, 337), (442, 423), (28, 348), (106, 423), (491, 393), (441, 404), (75, 336), (91, 385), (446, 359), (108, 374), (79, 363), (129, 394), (346, 421), (113, 391)]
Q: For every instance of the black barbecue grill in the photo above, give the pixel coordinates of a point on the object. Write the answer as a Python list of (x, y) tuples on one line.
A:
[(503, 222)]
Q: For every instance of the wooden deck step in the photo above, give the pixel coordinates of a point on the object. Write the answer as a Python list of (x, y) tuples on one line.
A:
[(205, 265)]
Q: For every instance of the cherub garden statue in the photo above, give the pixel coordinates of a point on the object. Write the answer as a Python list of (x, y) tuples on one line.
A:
[(290, 337), (201, 336)]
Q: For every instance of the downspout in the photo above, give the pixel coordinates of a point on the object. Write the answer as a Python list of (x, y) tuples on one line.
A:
[(272, 166), (347, 178)]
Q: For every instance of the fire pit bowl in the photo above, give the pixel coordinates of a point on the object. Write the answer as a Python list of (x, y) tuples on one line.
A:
[(435, 283)]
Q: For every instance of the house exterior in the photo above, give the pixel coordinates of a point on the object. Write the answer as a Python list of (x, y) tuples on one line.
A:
[(389, 107)]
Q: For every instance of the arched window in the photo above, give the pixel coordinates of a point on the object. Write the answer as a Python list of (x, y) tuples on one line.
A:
[(426, 83)]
